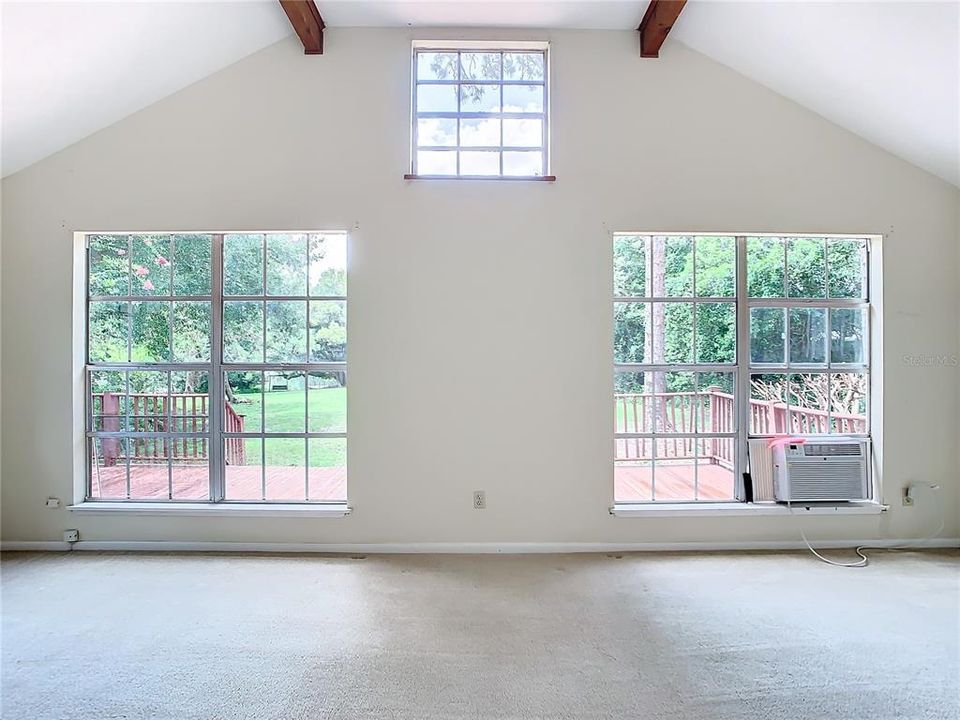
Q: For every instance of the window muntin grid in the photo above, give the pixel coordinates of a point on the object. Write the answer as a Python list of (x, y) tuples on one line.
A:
[(137, 411), (479, 112)]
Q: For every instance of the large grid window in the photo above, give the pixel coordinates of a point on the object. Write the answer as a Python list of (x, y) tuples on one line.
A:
[(480, 112), (718, 338), (176, 321)]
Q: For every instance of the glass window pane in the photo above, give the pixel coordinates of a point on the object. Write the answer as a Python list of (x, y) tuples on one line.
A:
[(523, 98), (436, 132), (149, 402), (716, 333), (108, 400), (328, 469), (808, 335), (632, 402), (243, 470), (286, 331), (806, 267), (674, 394), (527, 132), (633, 470), (191, 332), (285, 468), (436, 98), (484, 132), (107, 462), (436, 163), (107, 340), (523, 66), (242, 332), (109, 265), (672, 267), (476, 98), (847, 338), (716, 266), (243, 264), (768, 404), (480, 66), (190, 408), (630, 265), (766, 267), (287, 264), (149, 468), (655, 402), (847, 261), (715, 463), (714, 408), (848, 403), (150, 331), (284, 402), (630, 323), (672, 331), (150, 268), (809, 409), (436, 66), (328, 265), (479, 163), (523, 164), (674, 470), (190, 475), (243, 406), (328, 331), (327, 398), (191, 264), (767, 334)]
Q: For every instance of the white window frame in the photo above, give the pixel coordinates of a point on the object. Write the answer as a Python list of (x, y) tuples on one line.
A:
[(216, 368), (467, 46), (744, 368)]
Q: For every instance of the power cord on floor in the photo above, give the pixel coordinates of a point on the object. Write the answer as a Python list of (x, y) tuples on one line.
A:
[(860, 549)]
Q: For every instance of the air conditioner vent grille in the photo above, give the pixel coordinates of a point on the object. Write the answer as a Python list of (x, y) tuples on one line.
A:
[(834, 481), (832, 450)]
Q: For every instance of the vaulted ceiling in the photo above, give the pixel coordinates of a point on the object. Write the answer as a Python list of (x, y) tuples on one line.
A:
[(887, 71)]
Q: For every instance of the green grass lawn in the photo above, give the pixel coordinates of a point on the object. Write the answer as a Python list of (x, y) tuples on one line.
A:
[(285, 411)]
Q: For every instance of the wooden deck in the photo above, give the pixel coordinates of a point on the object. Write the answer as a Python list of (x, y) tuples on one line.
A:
[(674, 483), (243, 482)]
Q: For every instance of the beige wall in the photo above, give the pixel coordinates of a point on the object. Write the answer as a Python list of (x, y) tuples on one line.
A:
[(480, 325)]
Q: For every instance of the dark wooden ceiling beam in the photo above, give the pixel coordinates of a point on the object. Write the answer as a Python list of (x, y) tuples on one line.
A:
[(306, 21), (656, 24)]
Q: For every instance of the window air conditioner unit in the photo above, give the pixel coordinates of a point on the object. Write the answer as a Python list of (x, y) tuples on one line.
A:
[(834, 470)]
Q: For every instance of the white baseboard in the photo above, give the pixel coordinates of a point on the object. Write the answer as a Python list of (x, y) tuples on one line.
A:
[(463, 548)]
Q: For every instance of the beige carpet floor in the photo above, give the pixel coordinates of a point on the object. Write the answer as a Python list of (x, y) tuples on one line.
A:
[(713, 637)]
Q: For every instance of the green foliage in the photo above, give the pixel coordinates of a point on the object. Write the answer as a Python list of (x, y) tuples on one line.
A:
[(664, 333), (284, 412), (150, 265)]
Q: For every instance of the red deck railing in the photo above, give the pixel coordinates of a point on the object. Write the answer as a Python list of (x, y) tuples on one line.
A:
[(154, 413), (707, 412)]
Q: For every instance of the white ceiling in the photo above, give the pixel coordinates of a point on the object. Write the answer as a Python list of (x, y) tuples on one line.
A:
[(888, 71), (70, 69), (582, 14)]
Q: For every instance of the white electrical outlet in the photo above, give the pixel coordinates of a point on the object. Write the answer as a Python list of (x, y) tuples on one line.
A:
[(71, 536), (53, 502), (479, 500)]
